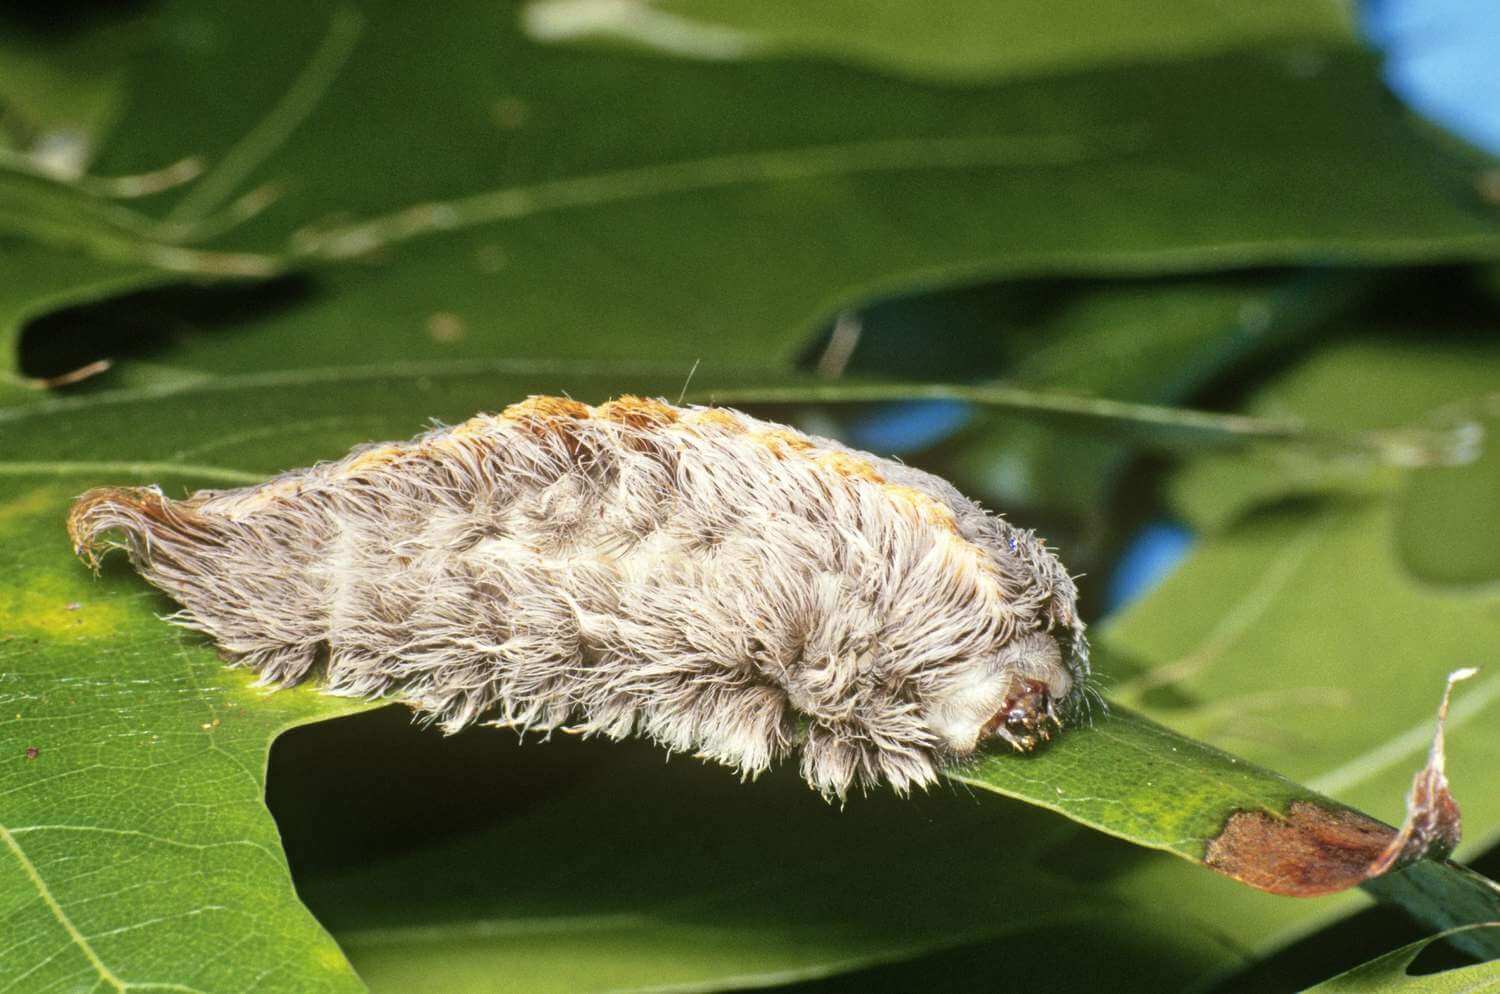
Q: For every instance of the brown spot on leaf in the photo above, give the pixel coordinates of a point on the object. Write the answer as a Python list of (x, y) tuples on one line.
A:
[(32, 752), (1319, 848), (1312, 850)]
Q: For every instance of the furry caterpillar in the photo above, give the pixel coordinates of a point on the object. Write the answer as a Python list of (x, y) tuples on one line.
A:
[(722, 585)]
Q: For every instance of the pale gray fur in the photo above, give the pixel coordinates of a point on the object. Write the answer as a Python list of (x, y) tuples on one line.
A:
[(687, 583)]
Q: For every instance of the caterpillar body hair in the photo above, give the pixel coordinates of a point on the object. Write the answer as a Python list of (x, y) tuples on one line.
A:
[(722, 585)]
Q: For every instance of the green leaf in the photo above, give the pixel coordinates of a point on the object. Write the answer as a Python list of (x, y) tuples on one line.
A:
[(1134, 779), (137, 845), (53, 280), (1147, 424), (1297, 635), (1158, 341), (637, 873), (1365, 385), (1445, 530), (1130, 777), (137, 851), (1387, 975), (1297, 640), (641, 874), (594, 223), (1438, 539), (945, 39), (91, 702), (60, 84), (1325, 589), (583, 200)]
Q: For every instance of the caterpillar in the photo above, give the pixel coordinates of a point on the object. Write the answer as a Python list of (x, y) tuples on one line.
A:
[(719, 584)]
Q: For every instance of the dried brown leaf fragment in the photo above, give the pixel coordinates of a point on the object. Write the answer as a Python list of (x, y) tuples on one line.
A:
[(1319, 848)]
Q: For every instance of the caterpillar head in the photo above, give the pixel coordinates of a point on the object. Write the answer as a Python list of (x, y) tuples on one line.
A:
[(1020, 695), (1028, 682)]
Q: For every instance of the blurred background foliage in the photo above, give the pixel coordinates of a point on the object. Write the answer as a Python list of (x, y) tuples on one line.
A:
[(345, 219)]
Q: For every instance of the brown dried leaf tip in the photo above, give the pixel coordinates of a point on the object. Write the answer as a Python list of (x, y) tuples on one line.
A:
[(1318, 848), (1433, 825)]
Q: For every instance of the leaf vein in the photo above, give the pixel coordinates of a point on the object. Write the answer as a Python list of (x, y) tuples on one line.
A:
[(710, 173), (105, 974), (148, 836)]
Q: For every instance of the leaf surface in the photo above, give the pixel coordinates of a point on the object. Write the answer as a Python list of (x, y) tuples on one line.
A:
[(137, 850), (1388, 975), (1118, 775), (499, 193), (953, 40)]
